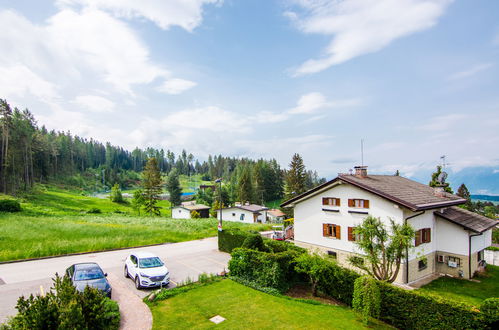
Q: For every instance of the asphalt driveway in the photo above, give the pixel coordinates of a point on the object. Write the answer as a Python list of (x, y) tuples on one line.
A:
[(184, 260)]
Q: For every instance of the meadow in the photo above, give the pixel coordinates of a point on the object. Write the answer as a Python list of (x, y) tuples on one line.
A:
[(56, 221)]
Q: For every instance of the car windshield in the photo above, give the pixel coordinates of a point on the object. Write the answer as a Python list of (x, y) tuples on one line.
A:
[(88, 274), (150, 262)]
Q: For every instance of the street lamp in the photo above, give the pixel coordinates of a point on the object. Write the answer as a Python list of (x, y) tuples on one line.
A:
[(219, 181)]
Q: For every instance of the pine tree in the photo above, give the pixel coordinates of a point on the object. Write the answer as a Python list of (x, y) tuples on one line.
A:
[(173, 188), (295, 177), (245, 186), (152, 187), (463, 192), (138, 200)]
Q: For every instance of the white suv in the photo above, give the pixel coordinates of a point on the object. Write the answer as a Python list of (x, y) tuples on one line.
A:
[(146, 269)]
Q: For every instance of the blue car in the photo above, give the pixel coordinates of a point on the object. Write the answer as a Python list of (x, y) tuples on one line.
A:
[(89, 274)]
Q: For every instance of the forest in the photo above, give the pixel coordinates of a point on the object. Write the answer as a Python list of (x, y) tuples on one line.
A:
[(31, 154)]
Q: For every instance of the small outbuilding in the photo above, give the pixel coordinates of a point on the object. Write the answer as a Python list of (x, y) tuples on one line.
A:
[(275, 215), (184, 210)]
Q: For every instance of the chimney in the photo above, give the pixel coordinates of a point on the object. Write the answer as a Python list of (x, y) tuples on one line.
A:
[(361, 171), (439, 191)]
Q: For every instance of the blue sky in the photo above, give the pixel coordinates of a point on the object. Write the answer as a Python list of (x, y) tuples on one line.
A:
[(414, 79)]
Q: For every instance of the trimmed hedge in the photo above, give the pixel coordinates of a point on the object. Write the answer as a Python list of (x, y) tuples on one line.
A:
[(273, 270), (413, 310), (9, 205), (229, 239)]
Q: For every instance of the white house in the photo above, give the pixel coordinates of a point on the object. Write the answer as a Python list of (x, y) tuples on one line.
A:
[(247, 213), (449, 240), (184, 210)]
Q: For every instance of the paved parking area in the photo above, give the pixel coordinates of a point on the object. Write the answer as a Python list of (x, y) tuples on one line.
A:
[(184, 260)]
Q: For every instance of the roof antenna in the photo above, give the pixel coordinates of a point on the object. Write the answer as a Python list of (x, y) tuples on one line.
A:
[(362, 152)]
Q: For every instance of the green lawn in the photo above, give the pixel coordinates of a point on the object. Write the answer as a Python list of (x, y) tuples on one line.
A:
[(55, 222), (467, 291), (246, 308)]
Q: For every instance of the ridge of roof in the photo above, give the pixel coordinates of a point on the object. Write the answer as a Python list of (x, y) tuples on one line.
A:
[(409, 193)]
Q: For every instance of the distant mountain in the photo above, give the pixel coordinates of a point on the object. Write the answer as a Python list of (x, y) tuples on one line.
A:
[(486, 198), (479, 180)]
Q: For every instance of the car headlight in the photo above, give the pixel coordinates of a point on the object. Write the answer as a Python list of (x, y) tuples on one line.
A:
[(144, 275)]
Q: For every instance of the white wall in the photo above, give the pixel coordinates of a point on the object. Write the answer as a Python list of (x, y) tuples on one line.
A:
[(234, 214), (451, 238), (481, 242), (425, 220), (309, 216), (180, 213)]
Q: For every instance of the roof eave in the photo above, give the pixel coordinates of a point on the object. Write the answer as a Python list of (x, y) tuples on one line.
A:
[(429, 206)]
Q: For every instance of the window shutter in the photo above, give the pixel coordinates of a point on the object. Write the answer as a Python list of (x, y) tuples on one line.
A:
[(351, 236), (338, 202), (366, 203), (338, 232), (417, 240), (351, 203), (324, 201), (428, 235), (324, 229)]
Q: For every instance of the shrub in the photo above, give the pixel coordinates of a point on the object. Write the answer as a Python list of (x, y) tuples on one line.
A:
[(254, 242), (413, 310), (256, 286), (281, 246), (115, 196), (274, 270), (313, 266), (195, 214), (366, 298), (9, 205), (66, 308), (94, 210), (229, 239), (490, 310), (337, 282)]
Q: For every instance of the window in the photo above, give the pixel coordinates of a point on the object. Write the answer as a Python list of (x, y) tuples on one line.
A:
[(331, 201), (332, 254), (359, 203), (422, 236), (422, 264), (330, 230), (351, 234), (452, 260), (233, 214), (241, 217), (480, 256)]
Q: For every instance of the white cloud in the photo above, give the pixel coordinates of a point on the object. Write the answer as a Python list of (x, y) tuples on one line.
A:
[(471, 71), (360, 27), (187, 14), (94, 103), (309, 103), (18, 80), (176, 86)]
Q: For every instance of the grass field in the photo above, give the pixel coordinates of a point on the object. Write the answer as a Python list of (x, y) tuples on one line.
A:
[(246, 308), (467, 291), (55, 222)]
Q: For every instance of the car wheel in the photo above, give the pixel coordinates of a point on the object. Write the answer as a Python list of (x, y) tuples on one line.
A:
[(126, 272), (137, 283)]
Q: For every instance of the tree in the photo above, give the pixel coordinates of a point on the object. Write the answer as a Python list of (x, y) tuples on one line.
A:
[(295, 177), (439, 181), (173, 188), (152, 187), (138, 200), (245, 186), (115, 196), (463, 192), (382, 250), (312, 265)]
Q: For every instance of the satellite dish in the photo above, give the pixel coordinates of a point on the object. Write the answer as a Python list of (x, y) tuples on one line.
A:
[(442, 177)]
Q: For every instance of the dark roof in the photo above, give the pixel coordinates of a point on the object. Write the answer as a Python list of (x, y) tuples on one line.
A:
[(467, 219), (411, 194), (251, 207)]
